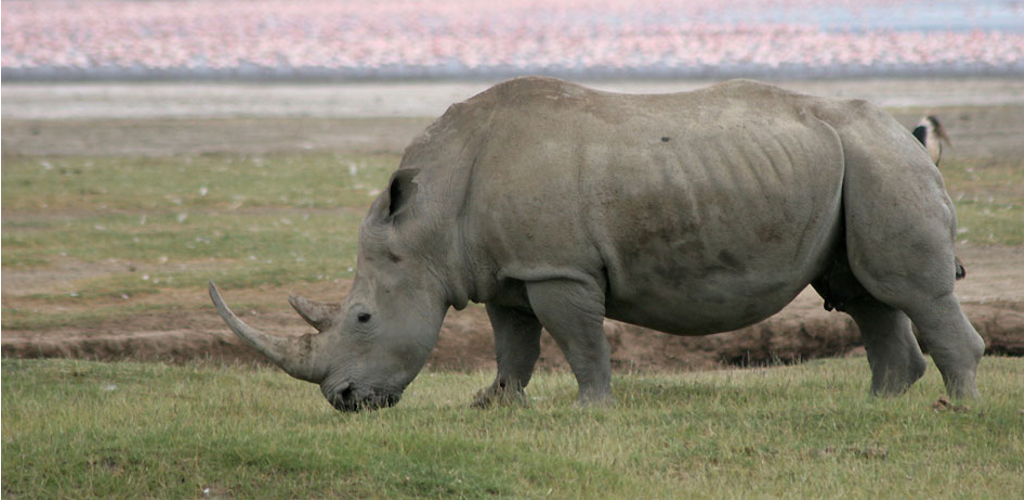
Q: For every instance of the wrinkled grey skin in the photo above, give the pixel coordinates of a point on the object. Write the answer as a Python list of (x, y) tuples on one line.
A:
[(690, 213)]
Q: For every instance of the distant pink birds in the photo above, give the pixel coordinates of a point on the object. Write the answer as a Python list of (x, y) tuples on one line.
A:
[(461, 37)]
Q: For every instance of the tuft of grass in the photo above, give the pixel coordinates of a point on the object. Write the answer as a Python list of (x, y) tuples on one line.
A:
[(84, 429)]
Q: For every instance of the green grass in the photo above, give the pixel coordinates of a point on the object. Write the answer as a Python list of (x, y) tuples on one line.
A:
[(141, 226), (256, 236), (172, 184), (989, 199), (186, 208), (75, 429)]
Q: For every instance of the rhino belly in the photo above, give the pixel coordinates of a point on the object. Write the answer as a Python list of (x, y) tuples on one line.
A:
[(712, 305)]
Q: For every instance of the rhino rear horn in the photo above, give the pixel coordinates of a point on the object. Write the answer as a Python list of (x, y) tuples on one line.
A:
[(294, 355), (318, 314)]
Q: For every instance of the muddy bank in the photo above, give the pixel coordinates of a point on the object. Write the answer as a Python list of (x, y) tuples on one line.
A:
[(991, 298), (466, 343)]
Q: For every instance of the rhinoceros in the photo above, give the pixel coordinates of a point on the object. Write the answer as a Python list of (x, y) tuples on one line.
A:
[(558, 206)]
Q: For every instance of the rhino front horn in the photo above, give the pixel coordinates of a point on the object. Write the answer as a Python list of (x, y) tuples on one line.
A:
[(294, 355)]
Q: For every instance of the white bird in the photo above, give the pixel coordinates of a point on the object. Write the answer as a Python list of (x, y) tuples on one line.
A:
[(932, 134)]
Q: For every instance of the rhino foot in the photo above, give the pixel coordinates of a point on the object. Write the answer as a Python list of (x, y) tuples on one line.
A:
[(595, 400), (501, 395)]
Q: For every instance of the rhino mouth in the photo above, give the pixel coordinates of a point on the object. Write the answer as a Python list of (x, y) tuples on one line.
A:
[(351, 399)]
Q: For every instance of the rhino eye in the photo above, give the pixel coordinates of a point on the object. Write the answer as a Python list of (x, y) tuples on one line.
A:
[(363, 317)]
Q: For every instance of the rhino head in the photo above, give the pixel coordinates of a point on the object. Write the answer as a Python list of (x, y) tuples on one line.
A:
[(368, 348)]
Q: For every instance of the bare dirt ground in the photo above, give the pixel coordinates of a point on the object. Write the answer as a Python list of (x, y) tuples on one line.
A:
[(984, 117)]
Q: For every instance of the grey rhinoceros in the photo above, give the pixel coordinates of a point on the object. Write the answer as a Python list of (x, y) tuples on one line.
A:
[(689, 213)]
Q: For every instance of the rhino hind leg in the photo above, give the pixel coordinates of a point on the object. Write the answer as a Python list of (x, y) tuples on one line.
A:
[(916, 277), (952, 342), (893, 353), (573, 313), (517, 348), (900, 228)]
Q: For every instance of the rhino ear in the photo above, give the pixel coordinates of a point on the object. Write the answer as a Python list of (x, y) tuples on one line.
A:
[(400, 193)]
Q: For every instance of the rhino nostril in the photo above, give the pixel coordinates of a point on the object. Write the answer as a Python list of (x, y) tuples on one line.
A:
[(348, 398), (343, 398)]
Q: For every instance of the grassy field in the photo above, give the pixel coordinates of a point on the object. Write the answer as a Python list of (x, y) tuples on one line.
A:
[(989, 199), (299, 208), (75, 429), (128, 228), (121, 243)]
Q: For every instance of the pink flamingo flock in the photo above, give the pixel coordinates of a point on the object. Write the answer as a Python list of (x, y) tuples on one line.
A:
[(424, 38)]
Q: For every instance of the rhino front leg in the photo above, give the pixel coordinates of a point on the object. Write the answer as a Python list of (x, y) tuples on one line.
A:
[(517, 347), (573, 312), (953, 343)]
